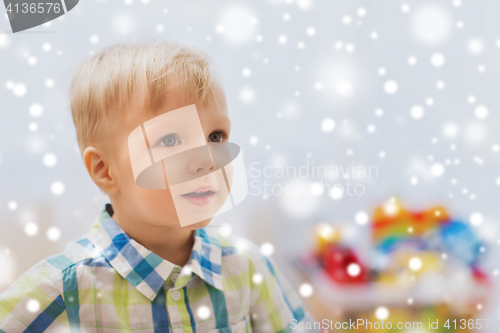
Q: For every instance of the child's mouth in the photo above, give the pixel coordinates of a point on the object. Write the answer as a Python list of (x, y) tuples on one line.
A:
[(201, 196)]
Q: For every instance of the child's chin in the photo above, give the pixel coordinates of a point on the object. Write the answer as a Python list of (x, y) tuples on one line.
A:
[(198, 225)]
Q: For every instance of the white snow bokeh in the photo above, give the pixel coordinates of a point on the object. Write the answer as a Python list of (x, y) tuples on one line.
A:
[(339, 78), (123, 22), (237, 24), (431, 23)]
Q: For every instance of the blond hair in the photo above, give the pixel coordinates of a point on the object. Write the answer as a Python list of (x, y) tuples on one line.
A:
[(107, 81)]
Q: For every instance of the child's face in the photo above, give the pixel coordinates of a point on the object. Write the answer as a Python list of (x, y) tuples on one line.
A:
[(169, 135)]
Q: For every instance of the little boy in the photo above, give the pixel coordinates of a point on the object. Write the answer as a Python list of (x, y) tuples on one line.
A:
[(140, 267)]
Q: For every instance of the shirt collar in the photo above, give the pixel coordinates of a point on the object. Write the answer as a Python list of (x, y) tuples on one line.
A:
[(145, 270)]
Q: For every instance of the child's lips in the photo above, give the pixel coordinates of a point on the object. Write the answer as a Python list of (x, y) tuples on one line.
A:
[(201, 196)]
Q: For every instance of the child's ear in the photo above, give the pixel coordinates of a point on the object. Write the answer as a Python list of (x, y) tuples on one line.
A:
[(98, 169)]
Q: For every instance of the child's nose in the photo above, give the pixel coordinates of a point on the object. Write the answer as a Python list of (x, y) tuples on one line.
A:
[(203, 162)]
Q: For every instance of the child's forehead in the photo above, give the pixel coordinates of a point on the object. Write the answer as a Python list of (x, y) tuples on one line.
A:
[(188, 111), (185, 115), (146, 106), (176, 98)]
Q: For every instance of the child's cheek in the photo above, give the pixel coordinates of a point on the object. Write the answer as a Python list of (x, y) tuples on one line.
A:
[(158, 205)]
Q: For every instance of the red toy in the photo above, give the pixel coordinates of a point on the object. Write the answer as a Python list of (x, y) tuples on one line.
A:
[(343, 266)]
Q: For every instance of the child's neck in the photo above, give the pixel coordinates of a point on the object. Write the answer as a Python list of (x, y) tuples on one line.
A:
[(171, 244)]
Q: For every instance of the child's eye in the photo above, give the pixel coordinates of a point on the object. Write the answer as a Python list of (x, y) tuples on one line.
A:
[(217, 136), (169, 141)]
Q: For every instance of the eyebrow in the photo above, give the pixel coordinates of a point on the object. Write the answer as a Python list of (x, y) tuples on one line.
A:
[(224, 119)]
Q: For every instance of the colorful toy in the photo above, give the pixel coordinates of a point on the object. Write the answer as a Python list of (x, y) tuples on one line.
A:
[(459, 241), (394, 226), (325, 235), (343, 266), (340, 262), (424, 254)]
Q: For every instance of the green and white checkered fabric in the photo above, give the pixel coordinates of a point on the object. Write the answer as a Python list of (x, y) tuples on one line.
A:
[(106, 282)]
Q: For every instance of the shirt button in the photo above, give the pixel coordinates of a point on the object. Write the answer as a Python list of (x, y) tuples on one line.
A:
[(176, 295), (174, 276)]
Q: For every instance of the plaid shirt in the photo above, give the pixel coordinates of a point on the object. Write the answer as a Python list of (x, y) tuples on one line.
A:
[(105, 282)]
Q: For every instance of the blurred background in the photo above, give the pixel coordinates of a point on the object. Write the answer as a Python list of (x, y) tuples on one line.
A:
[(369, 130)]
